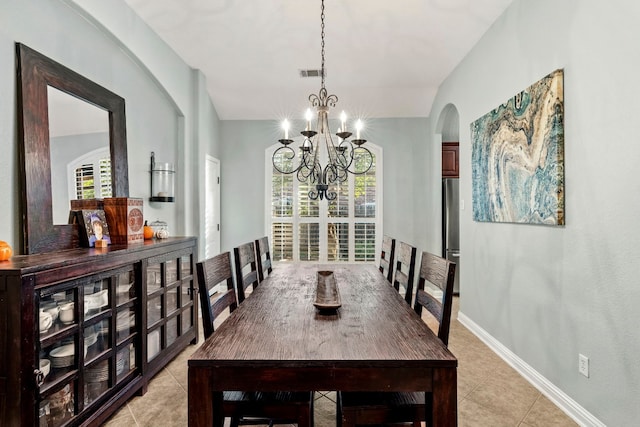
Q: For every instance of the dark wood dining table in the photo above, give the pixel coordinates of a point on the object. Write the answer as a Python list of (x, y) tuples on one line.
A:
[(277, 340)]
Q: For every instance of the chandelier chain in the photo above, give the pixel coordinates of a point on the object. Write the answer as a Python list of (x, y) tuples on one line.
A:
[(343, 158), (322, 39)]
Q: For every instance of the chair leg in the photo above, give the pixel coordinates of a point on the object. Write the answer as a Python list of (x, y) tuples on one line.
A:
[(304, 418), (347, 419), (312, 410), (428, 415), (235, 422)]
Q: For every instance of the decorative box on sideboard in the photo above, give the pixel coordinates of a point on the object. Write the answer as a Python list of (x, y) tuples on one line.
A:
[(124, 216), (125, 219)]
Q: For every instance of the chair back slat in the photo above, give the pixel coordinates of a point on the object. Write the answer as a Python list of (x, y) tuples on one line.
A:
[(387, 253), (221, 303), (434, 270), (405, 269), (441, 273), (428, 301), (401, 279), (263, 257), (245, 256), (211, 272)]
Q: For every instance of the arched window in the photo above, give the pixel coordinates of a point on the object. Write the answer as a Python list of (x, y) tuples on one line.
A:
[(345, 229)]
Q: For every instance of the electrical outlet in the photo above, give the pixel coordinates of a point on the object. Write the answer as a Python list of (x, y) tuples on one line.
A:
[(583, 365)]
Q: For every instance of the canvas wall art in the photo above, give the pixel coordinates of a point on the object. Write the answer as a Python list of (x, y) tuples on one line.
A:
[(518, 157)]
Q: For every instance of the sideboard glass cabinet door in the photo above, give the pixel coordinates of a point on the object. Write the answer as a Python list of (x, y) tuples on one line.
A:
[(170, 301), (76, 340), (88, 342)]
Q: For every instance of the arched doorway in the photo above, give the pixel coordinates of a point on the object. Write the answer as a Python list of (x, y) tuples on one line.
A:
[(448, 127)]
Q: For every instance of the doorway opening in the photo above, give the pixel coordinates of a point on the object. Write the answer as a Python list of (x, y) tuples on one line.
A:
[(449, 129)]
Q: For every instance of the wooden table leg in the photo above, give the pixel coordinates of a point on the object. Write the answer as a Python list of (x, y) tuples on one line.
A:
[(205, 405), (216, 404), (445, 397)]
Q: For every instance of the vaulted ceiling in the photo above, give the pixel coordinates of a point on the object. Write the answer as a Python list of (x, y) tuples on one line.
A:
[(383, 58)]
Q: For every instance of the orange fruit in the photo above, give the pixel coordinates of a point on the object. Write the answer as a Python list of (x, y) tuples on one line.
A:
[(5, 251), (147, 231)]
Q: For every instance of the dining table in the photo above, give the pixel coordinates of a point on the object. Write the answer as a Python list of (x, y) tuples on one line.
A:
[(278, 340)]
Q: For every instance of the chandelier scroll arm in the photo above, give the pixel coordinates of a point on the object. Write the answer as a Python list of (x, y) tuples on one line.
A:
[(369, 158), (288, 153)]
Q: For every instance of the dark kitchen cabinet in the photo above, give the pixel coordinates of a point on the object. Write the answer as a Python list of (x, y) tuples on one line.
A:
[(450, 160)]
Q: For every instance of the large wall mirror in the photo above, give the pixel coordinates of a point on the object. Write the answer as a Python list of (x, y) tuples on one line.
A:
[(73, 132)]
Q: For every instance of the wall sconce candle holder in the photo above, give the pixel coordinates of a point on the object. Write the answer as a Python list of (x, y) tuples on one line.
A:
[(162, 181)]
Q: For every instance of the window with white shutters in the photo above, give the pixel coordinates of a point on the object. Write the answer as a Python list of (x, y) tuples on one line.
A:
[(339, 230), (365, 241), (282, 241), (338, 241)]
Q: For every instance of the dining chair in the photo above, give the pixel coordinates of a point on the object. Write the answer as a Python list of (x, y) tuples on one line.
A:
[(386, 257), (211, 273), (365, 408), (405, 269), (246, 268), (243, 407), (263, 257)]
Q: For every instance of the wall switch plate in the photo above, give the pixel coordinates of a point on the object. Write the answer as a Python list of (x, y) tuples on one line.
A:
[(583, 365)]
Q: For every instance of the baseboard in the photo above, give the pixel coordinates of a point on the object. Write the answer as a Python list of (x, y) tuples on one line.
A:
[(546, 387)]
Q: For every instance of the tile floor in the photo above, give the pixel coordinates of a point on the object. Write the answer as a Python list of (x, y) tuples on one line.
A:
[(490, 393)]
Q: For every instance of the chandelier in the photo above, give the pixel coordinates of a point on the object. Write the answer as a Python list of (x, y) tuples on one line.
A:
[(343, 156)]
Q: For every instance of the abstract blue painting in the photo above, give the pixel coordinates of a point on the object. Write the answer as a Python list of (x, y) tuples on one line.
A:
[(518, 157)]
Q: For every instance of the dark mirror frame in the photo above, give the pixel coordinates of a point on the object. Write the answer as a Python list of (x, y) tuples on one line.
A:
[(34, 73)]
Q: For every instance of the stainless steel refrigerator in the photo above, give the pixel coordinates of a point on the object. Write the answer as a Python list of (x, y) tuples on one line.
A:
[(451, 225)]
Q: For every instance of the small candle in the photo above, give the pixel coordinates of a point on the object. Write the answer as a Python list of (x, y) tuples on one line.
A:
[(285, 126), (308, 115), (343, 119), (358, 128)]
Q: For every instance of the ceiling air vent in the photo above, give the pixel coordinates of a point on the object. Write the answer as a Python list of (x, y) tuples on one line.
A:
[(310, 73)]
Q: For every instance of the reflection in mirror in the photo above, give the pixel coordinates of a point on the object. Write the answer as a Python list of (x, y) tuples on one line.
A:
[(36, 74), (79, 149)]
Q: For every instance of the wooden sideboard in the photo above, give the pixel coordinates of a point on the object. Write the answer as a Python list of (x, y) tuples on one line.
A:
[(102, 322)]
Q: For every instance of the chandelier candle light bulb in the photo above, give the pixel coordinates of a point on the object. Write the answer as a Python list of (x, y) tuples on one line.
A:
[(285, 126), (358, 128), (343, 119), (308, 115)]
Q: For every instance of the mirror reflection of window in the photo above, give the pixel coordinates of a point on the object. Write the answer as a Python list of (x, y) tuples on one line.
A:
[(79, 150), (89, 176), (85, 188)]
